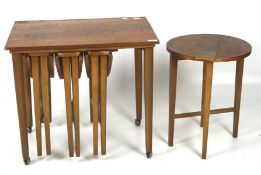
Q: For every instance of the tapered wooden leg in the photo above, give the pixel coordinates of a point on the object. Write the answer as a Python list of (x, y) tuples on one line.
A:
[(37, 108), (103, 98), (75, 86), (90, 94), (41, 102), (94, 100), (138, 84), (28, 101), (172, 96), (46, 101), (51, 74), (203, 100), (99, 93), (20, 97), (148, 88), (88, 72), (67, 87), (208, 74), (238, 89)]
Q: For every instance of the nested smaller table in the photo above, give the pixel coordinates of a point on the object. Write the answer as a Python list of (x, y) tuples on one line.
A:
[(207, 48)]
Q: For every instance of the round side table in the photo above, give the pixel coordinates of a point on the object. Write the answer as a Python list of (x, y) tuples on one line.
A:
[(208, 48)]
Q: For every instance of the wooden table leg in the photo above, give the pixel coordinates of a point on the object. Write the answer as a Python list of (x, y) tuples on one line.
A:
[(208, 74), (90, 94), (28, 101), (238, 89), (51, 75), (41, 101), (103, 100), (148, 88), (172, 96), (37, 102), (20, 97), (88, 72), (138, 84), (67, 87), (46, 100), (75, 87), (99, 92), (95, 106), (203, 90)]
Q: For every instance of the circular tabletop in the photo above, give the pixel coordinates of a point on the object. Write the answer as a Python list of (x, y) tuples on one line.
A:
[(209, 48)]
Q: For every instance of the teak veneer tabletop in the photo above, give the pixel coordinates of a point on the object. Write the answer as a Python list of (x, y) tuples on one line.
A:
[(209, 47), (88, 34)]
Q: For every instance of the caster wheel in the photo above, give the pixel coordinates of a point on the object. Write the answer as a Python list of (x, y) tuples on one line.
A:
[(170, 144), (29, 129), (149, 155), (27, 161), (137, 122)]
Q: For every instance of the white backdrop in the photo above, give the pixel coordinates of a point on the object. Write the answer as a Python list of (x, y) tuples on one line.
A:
[(125, 142)]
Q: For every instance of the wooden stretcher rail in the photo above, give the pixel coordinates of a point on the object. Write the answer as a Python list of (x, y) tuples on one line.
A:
[(199, 113)]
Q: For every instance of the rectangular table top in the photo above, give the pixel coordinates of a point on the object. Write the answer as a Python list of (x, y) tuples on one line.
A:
[(90, 34)]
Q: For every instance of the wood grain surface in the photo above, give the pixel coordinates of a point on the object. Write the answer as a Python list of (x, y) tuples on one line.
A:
[(90, 34), (209, 47)]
